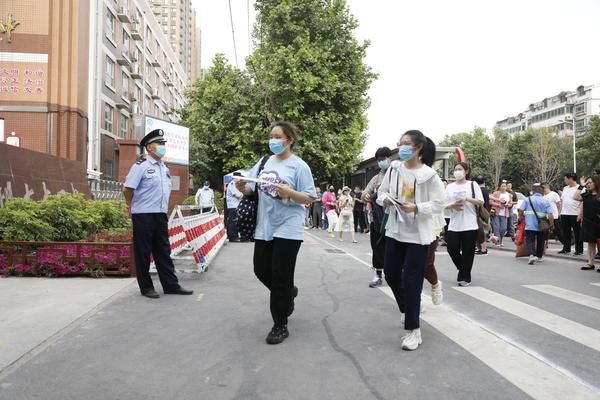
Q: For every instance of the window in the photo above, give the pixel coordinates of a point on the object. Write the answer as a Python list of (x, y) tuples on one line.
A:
[(125, 86), (110, 72), (108, 169), (580, 124), (108, 117), (580, 108), (123, 125), (126, 42), (110, 25)]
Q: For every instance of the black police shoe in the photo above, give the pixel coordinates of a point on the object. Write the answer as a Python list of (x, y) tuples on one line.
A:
[(178, 290), (278, 334), (152, 294)]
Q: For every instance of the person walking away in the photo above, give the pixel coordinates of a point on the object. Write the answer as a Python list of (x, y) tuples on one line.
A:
[(482, 242), (358, 211), (464, 196), (569, 215), (413, 193), (510, 227), (346, 218), (554, 200), (590, 224), (532, 210), (501, 202), (279, 223), (316, 210), (205, 198), (234, 196), (330, 202), (383, 156), (147, 189)]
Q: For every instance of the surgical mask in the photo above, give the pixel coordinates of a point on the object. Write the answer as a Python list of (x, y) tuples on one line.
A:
[(161, 150), (276, 146), (383, 164), (459, 174), (405, 152)]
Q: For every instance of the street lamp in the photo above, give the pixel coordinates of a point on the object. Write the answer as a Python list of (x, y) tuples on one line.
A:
[(572, 121)]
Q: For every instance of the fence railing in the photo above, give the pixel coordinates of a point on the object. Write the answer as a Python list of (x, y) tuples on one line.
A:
[(103, 189)]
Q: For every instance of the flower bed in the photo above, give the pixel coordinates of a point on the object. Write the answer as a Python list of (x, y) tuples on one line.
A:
[(52, 259)]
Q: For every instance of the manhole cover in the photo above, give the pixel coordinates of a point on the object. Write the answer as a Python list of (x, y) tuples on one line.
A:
[(335, 251)]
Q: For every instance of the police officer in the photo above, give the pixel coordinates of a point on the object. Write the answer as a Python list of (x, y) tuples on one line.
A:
[(147, 189)]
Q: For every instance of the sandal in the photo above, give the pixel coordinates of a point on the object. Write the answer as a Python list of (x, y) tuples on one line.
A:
[(588, 267)]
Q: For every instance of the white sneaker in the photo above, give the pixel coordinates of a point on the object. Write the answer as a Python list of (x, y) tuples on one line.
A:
[(464, 283), (412, 340), (539, 259), (437, 296), (376, 281), (532, 259)]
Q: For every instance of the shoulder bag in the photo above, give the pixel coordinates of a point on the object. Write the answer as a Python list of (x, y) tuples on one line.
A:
[(543, 223), (247, 210)]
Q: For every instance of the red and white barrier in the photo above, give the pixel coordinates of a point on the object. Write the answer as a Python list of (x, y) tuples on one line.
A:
[(202, 234)]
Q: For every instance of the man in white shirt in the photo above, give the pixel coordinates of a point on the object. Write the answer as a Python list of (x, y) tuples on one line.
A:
[(569, 216), (554, 200), (205, 197)]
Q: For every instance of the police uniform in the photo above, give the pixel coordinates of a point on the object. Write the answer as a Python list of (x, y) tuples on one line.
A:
[(150, 180)]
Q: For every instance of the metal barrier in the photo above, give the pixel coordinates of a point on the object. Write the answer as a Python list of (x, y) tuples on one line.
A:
[(103, 189)]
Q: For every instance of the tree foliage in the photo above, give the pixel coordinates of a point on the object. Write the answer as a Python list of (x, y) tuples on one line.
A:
[(477, 147), (588, 148)]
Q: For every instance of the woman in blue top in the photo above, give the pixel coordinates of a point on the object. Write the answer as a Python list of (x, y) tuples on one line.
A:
[(280, 222)]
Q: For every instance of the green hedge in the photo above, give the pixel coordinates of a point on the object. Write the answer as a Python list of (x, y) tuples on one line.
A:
[(63, 218)]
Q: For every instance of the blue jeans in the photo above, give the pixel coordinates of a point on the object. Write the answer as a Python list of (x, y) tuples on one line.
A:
[(499, 225), (404, 266)]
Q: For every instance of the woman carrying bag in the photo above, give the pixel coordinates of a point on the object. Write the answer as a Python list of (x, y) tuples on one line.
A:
[(280, 222), (346, 218)]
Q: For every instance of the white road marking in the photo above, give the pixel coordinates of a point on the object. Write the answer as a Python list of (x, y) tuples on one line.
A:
[(200, 297), (565, 327), (595, 284), (530, 372), (569, 295)]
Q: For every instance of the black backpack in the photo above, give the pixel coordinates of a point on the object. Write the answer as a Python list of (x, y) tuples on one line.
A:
[(248, 208)]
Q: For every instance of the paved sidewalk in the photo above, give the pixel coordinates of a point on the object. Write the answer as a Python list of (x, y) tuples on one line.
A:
[(554, 246)]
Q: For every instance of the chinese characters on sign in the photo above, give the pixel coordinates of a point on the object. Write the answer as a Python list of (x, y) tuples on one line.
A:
[(22, 81)]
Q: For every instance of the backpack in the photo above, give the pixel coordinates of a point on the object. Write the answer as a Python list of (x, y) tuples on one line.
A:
[(247, 210)]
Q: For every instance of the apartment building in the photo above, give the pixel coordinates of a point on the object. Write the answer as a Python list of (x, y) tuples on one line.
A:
[(136, 73), (565, 111)]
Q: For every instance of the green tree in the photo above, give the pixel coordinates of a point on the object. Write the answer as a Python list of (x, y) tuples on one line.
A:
[(588, 148), (477, 147), (546, 151), (498, 155), (309, 69), (517, 166)]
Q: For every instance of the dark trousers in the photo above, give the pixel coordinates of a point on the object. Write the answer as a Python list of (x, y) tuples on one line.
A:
[(232, 230), (274, 265), (430, 271), (151, 237), (316, 216), (536, 241), (359, 221), (377, 246), (568, 222), (461, 247), (404, 267)]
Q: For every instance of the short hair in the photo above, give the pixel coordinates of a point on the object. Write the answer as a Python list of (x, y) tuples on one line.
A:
[(289, 130), (480, 179), (571, 175), (383, 152)]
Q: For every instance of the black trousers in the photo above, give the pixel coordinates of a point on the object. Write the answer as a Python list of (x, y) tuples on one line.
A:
[(274, 266), (232, 230), (536, 241), (568, 222), (377, 246), (359, 221), (151, 237), (316, 216), (461, 247)]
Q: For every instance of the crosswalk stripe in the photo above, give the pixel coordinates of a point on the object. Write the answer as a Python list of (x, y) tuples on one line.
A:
[(533, 375), (569, 295), (595, 284), (570, 329)]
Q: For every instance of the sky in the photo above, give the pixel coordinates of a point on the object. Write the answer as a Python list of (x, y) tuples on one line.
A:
[(449, 66)]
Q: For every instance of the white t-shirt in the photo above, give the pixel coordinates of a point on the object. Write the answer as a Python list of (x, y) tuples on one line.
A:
[(554, 199), (406, 194), (465, 220), (570, 206)]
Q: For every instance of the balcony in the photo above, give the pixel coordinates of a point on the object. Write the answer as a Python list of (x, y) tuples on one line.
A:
[(135, 31), (155, 94), (121, 105), (135, 71), (169, 82), (155, 63), (123, 15), (132, 97), (124, 59)]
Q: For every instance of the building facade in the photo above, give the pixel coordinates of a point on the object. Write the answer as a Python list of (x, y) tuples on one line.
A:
[(565, 111), (177, 19), (43, 83), (135, 73)]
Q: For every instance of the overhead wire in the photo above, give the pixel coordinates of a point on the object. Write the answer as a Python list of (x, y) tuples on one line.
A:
[(233, 35)]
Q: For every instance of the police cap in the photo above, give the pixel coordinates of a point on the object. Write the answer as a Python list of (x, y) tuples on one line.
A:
[(157, 135)]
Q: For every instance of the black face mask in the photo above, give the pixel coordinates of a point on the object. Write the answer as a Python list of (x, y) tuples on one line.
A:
[(331, 189)]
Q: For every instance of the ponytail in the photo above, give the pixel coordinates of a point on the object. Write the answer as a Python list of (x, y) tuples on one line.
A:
[(427, 152)]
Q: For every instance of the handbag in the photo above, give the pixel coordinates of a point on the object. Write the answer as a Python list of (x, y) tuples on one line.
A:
[(247, 210), (543, 223), (483, 219)]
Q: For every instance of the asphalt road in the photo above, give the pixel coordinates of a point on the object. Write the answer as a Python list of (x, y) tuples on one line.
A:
[(518, 332)]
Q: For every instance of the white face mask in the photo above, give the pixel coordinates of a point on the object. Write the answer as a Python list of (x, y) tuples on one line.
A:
[(458, 175)]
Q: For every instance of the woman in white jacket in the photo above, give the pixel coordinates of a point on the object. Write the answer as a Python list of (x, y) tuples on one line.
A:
[(414, 196)]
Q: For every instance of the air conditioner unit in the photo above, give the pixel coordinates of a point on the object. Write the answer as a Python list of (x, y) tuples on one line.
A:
[(568, 117)]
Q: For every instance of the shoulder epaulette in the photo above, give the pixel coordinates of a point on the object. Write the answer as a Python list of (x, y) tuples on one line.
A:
[(140, 161)]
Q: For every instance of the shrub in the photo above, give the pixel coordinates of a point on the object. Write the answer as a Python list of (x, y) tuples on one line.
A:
[(67, 214), (19, 221), (112, 214)]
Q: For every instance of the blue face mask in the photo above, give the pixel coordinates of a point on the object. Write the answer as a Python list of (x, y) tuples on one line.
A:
[(406, 152), (383, 164), (161, 150), (276, 146)]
